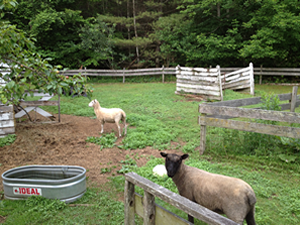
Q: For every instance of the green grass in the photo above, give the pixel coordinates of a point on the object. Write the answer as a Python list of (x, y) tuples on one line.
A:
[(158, 118)]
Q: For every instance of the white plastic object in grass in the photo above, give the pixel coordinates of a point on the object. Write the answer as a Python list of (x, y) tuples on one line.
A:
[(160, 170)]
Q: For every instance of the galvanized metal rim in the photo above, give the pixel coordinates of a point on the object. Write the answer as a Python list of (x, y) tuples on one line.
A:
[(43, 167)]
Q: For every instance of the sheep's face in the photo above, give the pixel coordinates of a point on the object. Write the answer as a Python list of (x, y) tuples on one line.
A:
[(173, 162), (92, 103)]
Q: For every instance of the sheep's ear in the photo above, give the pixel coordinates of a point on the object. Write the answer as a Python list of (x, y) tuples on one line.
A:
[(163, 154), (185, 156)]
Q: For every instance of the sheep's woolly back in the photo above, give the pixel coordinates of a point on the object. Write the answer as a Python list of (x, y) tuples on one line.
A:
[(221, 194)]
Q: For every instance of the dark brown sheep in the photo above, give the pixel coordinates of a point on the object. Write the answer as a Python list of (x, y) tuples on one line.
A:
[(221, 194)]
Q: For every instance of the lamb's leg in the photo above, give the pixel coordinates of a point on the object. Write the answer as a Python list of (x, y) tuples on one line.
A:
[(117, 123), (125, 127), (102, 125)]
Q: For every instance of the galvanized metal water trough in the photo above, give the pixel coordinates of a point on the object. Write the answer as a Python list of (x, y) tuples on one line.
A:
[(66, 183)]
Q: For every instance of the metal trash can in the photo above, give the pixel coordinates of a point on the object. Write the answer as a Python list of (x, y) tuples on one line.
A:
[(66, 183)]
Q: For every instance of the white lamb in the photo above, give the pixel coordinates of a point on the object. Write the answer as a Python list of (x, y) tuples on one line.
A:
[(113, 115)]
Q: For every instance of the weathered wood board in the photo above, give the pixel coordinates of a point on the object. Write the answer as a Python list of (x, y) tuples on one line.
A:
[(7, 122), (202, 81), (218, 114), (184, 204), (162, 216), (236, 80)]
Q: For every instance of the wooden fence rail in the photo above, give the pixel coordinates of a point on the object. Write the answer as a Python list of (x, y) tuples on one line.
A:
[(258, 71), (219, 114), (123, 73), (154, 214)]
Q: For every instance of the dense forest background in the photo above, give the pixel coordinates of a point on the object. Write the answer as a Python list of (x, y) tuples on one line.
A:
[(153, 33)]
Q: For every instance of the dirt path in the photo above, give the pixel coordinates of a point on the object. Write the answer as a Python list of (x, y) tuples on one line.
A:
[(64, 144)]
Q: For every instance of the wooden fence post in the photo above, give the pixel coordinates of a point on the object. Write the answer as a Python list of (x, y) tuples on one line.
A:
[(163, 74), (58, 108), (220, 82), (251, 79), (149, 208), (123, 75), (260, 75), (294, 98), (202, 134), (129, 203)]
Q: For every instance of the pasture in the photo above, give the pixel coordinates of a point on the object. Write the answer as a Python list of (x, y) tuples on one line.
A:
[(158, 121)]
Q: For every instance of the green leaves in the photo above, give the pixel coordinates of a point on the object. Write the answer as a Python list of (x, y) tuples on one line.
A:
[(8, 140), (105, 141)]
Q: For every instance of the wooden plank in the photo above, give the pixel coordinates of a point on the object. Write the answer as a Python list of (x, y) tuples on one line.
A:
[(198, 69), (199, 86), (242, 70), (294, 98), (43, 112), (289, 117), (22, 112), (236, 78), (7, 116), (249, 101), (233, 85), (6, 108), (197, 91), (184, 204), (251, 79), (291, 132), (7, 123), (220, 83), (129, 203), (46, 98), (211, 97), (149, 208), (7, 130), (162, 215), (285, 106), (279, 73), (38, 103), (202, 82), (193, 78), (240, 87), (282, 69), (202, 139), (195, 74)]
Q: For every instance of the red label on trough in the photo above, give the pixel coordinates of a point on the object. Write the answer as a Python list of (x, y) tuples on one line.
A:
[(27, 191)]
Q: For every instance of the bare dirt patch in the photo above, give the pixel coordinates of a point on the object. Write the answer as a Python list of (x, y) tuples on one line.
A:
[(64, 144)]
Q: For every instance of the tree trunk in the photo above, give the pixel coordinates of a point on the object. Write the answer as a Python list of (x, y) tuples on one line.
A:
[(135, 31), (128, 29)]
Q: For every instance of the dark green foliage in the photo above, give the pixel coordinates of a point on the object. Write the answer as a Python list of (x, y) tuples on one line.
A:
[(187, 32)]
